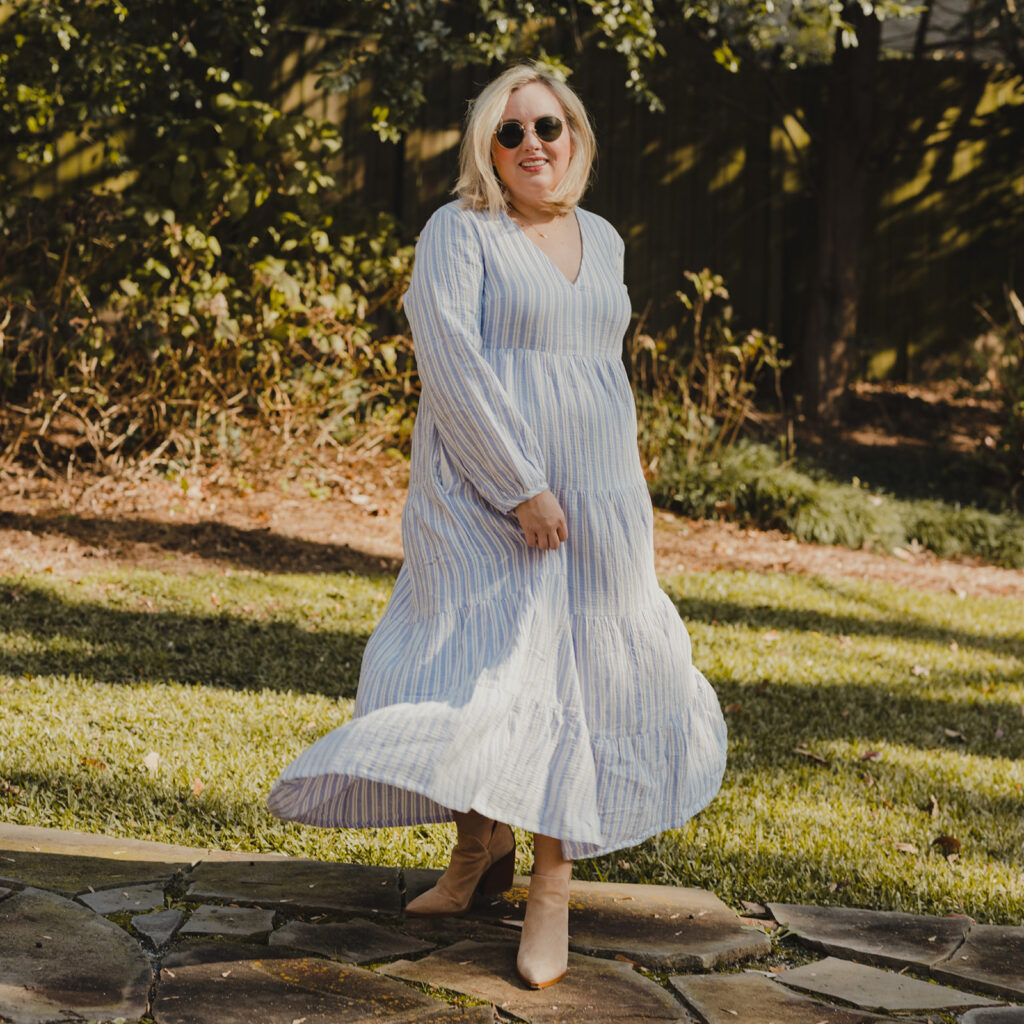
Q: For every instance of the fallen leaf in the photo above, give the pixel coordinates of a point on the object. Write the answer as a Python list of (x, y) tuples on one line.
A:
[(771, 636), (954, 646), (731, 708), (93, 762), (871, 755), (214, 600), (152, 761), (955, 735), (905, 847), (934, 808), (197, 786), (921, 670), (810, 755), (947, 844)]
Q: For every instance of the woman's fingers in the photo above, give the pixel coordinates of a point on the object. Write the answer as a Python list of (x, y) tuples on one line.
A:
[(543, 521)]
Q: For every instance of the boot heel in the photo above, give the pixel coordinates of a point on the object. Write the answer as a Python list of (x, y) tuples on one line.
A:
[(498, 876)]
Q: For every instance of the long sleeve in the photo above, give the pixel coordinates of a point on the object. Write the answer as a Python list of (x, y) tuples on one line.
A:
[(480, 427)]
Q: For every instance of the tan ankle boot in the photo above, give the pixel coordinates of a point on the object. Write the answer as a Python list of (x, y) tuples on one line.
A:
[(473, 867), (544, 947)]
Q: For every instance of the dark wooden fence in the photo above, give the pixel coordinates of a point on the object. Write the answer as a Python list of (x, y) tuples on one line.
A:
[(721, 180)]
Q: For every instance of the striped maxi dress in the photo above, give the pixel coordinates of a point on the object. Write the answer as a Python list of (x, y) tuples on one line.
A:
[(553, 690)]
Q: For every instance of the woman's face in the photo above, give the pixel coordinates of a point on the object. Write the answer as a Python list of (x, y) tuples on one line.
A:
[(533, 168)]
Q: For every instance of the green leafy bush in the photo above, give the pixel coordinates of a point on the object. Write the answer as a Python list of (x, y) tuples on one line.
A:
[(696, 385), (999, 356), (206, 280)]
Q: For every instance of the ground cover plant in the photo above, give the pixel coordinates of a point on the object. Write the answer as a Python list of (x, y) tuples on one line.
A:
[(876, 733), (751, 483)]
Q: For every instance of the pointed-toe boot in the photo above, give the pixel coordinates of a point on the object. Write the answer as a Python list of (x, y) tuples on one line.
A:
[(544, 947), (474, 867)]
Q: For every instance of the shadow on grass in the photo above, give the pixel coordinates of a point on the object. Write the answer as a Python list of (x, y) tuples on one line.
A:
[(777, 715), (259, 549), (97, 643), (878, 620), (112, 645)]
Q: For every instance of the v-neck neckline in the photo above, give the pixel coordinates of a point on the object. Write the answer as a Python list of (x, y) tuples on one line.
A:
[(574, 284)]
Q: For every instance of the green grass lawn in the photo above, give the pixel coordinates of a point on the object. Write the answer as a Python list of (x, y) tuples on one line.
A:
[(161, 706)]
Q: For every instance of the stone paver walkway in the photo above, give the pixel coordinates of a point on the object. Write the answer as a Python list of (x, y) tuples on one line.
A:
[(99, 929)]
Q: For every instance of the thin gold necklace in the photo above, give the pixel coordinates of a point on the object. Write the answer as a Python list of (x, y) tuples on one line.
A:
[(527, 224)]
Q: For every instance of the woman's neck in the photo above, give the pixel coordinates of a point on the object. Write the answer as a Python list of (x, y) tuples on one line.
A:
[(534, 215)]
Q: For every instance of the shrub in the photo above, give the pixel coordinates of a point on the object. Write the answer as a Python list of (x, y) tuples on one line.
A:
[(999, 355), (206, 281), (696, 385)]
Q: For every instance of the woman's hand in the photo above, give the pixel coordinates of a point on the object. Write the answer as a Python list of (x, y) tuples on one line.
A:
[(543, 521)]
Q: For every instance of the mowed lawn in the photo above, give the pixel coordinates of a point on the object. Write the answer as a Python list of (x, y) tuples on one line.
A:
[(876, 733)]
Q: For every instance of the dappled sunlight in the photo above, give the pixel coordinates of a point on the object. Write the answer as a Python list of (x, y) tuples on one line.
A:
[(866, 721)]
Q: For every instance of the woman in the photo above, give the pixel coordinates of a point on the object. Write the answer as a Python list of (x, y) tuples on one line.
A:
[(528, 670)]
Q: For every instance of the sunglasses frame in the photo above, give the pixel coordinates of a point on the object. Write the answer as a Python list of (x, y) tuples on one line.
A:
[(557, 128)]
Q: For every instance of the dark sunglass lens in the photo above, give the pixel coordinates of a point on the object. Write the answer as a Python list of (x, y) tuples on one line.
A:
[(510, 134), (548, 128)]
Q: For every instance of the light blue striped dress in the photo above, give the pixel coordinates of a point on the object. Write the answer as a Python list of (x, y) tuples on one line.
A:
[(553, 690)]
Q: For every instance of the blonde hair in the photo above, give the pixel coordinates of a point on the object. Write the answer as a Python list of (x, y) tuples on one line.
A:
[(479, 185)]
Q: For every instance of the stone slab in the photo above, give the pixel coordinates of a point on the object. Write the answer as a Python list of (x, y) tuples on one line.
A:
[(159, 927), (755, 999), (356, 941), (663, 927), (33, 839), (72, 875), (116, 901), (991, 959), (300, 886), (271, 990), (594, 991), (5, 892), (443, 931), (879, 936), (59, 960), (659, 926), (198, 952), (246, 924), (874, 989), (994, 1015)]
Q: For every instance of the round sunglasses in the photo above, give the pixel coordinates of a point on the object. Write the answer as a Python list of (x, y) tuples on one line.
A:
[(510, 134)]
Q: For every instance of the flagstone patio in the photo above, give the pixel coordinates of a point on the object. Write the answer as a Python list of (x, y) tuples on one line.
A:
[(99, 929)]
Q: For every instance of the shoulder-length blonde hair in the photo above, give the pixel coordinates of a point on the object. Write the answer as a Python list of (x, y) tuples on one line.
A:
[(479, 185)]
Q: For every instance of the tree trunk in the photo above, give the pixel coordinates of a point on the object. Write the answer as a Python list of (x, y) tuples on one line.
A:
[(842, 205)]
